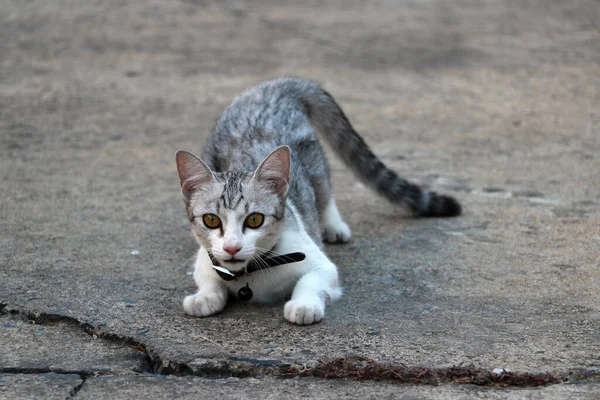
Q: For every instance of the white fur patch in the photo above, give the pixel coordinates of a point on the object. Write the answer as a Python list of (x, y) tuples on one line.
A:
[(310, 282)]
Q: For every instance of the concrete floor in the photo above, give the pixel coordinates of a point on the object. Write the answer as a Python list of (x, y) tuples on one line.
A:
[(495, 102)]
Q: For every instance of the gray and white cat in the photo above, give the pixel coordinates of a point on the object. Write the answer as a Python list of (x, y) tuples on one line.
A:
[(263, 187)]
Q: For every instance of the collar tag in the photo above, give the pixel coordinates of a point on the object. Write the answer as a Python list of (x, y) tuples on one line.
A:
[(224, 273)]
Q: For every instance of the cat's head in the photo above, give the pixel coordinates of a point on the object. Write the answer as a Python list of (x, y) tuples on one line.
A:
[(235, 215)]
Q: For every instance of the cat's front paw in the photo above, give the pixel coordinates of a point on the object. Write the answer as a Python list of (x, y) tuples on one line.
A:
[(304, 311), (204, 304)]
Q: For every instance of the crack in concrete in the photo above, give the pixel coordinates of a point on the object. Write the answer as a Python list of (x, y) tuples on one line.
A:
[(91, 330), (77, 388), (361, 368), (354, 368), (60, 371)]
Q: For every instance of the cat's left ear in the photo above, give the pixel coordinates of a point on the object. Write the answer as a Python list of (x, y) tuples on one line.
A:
[(193, 172), (274, 171)]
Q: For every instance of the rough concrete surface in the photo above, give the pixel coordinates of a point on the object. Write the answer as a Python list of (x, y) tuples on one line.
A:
[(496, 102), (48, 386), (148, 386), (58, 347)]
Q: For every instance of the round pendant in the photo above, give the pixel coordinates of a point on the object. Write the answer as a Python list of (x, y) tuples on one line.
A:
[(245, 293)]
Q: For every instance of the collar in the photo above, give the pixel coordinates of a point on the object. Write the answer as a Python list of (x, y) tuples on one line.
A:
[(267, 260)]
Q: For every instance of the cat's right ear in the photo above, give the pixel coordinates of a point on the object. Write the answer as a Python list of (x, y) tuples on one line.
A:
[(193, 172)]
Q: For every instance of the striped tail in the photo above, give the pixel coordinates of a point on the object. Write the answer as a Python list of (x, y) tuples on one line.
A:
[(331, 122)]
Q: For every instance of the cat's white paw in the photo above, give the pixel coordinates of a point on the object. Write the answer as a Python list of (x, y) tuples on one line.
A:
[(304, 311), (204, 304), (337, 232)]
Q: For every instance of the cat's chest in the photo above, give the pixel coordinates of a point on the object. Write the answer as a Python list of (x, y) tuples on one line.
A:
[(267, 286)]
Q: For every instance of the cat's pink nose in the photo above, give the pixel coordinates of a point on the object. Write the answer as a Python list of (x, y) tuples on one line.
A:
[(233, 250)]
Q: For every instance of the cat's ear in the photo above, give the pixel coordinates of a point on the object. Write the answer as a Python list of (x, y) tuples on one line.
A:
[(193, 172), (274, 171)]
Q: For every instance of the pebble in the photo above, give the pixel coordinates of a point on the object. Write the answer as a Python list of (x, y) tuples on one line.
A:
[(500, 371)]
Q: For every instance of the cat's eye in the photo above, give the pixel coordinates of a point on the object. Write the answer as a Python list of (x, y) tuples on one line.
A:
[(211, 221), (255, 220)]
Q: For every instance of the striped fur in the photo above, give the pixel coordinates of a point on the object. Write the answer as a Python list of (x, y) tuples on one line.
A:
[(290, 111)]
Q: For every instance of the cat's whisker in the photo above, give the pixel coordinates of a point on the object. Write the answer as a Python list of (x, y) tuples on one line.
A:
[(285, 256), (270, 274), (188, 263), (275, 278)]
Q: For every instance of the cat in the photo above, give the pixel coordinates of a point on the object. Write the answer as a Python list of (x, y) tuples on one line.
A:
[(262, 187)]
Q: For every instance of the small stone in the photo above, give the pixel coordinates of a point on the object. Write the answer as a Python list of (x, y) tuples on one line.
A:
[(372, 332), (500, 371), (134, 252), (143, 331)]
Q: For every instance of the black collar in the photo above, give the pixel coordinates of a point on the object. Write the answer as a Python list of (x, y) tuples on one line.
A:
[(267, 260)]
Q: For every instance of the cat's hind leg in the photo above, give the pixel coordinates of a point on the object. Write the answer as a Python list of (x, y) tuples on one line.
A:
[(336, 230), (313, 158)]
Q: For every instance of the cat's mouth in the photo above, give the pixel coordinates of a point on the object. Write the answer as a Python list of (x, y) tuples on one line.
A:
[(235, 260), (234, 264)]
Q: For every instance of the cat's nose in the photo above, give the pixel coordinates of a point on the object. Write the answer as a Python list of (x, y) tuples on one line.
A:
[(233, 250)]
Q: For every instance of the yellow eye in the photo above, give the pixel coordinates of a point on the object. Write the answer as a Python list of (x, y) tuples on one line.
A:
[(211, 221), (255, 220)]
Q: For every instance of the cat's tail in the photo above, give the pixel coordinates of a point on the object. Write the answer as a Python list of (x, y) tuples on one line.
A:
[(333, 125)]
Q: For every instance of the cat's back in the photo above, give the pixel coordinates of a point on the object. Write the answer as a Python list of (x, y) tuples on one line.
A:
[(258, 120), (271, 102)]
